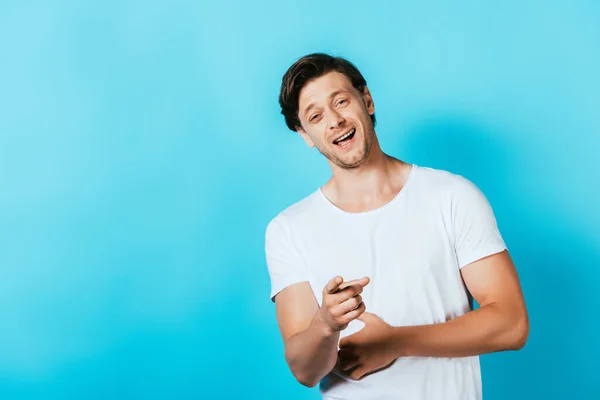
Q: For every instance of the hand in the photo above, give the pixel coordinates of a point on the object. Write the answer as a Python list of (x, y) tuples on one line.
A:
[(368, 350), (342, 302)]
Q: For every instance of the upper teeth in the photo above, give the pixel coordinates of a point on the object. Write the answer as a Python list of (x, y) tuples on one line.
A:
[(345, 136)]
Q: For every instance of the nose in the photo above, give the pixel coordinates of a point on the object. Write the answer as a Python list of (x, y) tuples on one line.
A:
[(336, 120)]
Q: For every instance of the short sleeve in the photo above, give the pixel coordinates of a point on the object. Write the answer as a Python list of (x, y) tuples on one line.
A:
[(476, 233), (283, 261)]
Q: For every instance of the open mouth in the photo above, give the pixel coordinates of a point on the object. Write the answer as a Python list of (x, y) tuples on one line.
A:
[(341, 141)]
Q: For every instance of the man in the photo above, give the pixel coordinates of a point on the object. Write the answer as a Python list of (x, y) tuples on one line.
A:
[(372, 274)]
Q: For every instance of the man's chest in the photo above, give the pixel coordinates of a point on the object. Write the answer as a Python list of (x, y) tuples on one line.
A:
[(403, 254)]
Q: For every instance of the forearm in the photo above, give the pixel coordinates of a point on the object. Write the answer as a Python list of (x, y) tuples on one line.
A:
[(485, 330), (312, 353)]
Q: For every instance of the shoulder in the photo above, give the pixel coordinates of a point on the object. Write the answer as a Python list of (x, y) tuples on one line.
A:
[(452, 192), (294, 214), (445, 182)]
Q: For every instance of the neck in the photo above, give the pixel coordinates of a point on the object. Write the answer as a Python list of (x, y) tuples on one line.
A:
[(370, 185)]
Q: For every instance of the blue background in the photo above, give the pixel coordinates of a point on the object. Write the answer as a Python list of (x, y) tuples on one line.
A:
[(142, 155)]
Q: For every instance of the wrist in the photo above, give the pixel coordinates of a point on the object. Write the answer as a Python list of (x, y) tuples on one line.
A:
[(321, 324), (403, 341)]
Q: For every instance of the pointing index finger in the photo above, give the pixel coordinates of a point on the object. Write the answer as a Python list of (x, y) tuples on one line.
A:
[(362, 282)]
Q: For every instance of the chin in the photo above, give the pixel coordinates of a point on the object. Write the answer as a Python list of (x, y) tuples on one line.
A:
[(351, 163)]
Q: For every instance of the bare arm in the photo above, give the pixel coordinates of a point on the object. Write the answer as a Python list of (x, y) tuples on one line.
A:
[(501, 322), (310, 333), (310, 348)]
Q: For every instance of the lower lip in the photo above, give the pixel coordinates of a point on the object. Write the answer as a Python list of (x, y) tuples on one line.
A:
[(347, 144)]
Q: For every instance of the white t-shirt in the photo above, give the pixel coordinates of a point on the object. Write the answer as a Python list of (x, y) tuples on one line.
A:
[(412, 248)]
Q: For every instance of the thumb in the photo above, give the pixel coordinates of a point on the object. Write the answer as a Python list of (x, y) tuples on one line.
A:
[(366, 317)]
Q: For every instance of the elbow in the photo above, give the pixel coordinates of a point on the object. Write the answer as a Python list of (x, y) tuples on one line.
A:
[(303, 375), (308, 371), (519, 334), (305, 379), (309, 383)]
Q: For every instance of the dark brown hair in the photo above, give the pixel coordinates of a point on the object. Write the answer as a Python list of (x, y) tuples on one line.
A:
[(306, 69)]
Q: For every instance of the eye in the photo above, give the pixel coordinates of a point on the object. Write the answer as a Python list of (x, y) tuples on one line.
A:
[(314, 117), (342, 102)]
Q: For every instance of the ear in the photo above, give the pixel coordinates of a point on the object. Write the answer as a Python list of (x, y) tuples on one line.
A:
[(305, 136), (368, 99)]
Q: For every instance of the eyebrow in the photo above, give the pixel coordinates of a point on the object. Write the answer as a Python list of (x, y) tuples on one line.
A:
[(312, 105)]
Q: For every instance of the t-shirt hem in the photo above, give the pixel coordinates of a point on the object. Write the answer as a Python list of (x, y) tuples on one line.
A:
[(289, 281), (481, 253)]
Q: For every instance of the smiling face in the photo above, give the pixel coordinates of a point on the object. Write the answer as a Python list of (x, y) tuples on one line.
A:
[(336, 119)]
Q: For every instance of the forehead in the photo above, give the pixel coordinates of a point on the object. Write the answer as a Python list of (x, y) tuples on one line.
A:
[(319, 89)]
